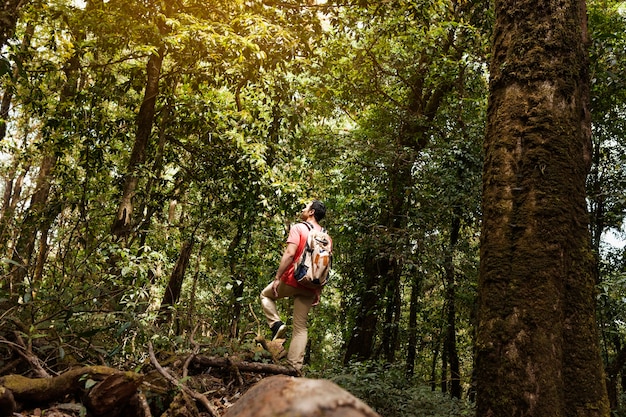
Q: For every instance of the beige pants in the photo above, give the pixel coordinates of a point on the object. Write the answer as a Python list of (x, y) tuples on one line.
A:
[(302, 301)]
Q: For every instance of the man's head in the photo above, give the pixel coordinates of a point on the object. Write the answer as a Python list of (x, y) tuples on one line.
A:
[(320, 210), (316, 209)]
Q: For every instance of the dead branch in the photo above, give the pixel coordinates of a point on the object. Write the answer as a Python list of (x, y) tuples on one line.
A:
[(26, 352), (196, 396), (261, 368), (143, 404), (194, 352)]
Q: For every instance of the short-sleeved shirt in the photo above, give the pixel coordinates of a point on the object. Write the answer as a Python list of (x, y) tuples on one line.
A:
[(298, 234)]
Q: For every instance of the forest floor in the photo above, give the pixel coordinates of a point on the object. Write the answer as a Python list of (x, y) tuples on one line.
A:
[(179, 386)]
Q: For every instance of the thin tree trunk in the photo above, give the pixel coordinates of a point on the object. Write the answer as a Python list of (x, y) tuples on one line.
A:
[(537, 343), (175, 284), (423, 105), (444, 369), (40, 214), (153, 203), (25, 245), (613, 371), (9, 15), (392, 318), (13, 181), (433, 366), (145, 119), (411, 353), (12, 194), (450, 335)]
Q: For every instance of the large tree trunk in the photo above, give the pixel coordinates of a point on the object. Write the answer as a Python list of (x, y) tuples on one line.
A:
[(537, 345)]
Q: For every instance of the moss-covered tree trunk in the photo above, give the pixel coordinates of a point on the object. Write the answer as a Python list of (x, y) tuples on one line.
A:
[(537, 347)]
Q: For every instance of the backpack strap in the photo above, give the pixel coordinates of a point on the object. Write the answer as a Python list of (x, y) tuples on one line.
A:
[(303, 238), (310, 226)]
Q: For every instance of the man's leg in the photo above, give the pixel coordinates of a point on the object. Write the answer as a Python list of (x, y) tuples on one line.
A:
[(268, 302), (301, 305)]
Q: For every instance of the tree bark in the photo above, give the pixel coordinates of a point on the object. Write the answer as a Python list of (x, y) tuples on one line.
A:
[(9, 14), (40, 214), (43, 390), (537, 345), (450, 348), (412, 330), (287, 396), (175, 284), (244, 366), (145, 118)]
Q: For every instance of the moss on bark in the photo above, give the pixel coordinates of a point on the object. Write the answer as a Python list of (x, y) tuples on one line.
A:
[(537, 346)]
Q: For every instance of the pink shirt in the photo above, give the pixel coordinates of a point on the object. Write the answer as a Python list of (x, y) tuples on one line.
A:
[(297, 235)]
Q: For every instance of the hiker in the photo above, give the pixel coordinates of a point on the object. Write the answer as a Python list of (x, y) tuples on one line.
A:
[(285, 285)]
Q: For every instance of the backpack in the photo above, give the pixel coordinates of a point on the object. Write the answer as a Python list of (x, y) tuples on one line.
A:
[(313, 266)]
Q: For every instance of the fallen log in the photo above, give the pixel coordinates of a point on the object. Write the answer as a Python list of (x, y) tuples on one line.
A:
[(281, 395), (7, 403), (111, 396), (109, 390), (42, 390), (244, 366)]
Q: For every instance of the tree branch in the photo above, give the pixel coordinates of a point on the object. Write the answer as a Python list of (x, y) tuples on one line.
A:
[(196, 396)]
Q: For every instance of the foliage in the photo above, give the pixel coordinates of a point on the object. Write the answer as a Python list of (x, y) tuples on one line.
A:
[(607, 22), (261, 107), (390, 393)]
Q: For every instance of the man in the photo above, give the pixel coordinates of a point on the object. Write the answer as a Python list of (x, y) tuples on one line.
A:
[(285, 285)]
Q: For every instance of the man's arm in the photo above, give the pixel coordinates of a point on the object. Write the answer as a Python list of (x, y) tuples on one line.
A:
[(287, 259)]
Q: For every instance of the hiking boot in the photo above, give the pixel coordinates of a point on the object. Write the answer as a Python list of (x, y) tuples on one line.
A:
[(278, 330)]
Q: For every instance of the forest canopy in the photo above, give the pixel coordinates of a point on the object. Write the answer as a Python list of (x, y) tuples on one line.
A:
[(155, 153)]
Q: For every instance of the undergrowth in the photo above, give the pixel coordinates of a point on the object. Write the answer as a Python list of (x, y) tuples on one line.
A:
[(389, 392)]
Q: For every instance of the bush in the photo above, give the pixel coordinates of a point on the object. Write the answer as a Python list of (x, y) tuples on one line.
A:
[(388, 391)]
